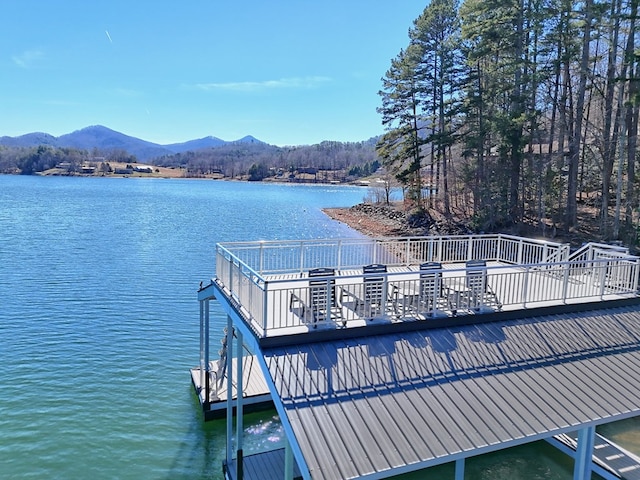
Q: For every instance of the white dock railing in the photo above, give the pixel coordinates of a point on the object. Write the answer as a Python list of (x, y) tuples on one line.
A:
[(276, 257), (270, 283)]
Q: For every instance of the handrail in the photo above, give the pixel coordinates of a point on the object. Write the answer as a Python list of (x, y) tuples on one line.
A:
[(288, 256), (527, 272), (587, 249)]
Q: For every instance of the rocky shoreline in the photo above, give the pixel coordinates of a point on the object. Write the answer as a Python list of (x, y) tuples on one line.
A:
[(391, 221)]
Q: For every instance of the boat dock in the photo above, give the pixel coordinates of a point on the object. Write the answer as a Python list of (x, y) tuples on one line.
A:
[(389, 356)]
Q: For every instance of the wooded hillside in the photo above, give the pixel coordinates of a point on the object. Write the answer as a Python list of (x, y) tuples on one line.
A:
[(517, 111)]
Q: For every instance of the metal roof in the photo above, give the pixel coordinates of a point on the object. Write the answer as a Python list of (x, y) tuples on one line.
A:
[(381, 405)]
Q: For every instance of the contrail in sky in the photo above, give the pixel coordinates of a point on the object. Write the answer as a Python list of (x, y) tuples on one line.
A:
[(108, 36)]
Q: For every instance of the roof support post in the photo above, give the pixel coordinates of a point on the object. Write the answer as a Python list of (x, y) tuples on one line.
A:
[(239, 404), (205, 358), (584, 453), (203, 365), (229, 389), (288, 461), (460, 469)]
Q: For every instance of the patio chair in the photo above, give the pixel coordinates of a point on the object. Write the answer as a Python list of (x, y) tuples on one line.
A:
[(480, 295), (374, 299), (323, 305), (431, 296)]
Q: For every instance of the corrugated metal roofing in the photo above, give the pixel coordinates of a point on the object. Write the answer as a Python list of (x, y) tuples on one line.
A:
[(384, 404)]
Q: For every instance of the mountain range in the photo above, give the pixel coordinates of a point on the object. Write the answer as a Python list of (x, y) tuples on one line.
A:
[(103, 138)]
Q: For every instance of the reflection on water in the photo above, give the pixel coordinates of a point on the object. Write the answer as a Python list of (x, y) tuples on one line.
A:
[(264, 432)]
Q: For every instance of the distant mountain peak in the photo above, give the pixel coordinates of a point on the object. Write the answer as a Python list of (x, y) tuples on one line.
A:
[(99, 136), (249, 139)]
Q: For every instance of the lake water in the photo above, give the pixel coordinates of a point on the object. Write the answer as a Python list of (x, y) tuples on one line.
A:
[(99, 325)]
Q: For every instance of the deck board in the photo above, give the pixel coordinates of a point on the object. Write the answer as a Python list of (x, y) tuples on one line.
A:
[(263, 466)]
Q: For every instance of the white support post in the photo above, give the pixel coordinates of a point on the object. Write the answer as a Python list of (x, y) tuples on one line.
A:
[(288, 461), (460, 469), (202, 364), (239, 406), (229, 390), (207, 367), (584, 454)]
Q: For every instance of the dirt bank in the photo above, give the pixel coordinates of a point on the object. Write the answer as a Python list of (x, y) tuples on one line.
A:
[(391, 221)]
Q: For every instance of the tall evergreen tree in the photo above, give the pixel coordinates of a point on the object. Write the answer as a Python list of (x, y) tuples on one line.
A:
[(437, 32), (400, 147)]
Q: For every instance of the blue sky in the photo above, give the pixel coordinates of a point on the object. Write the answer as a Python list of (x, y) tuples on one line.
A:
[(287, 72)]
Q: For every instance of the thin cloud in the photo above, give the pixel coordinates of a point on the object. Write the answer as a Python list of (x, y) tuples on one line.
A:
[(283, 83), (28, 58), (126, 92)]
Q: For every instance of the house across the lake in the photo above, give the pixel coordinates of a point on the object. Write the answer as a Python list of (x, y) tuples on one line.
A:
[(388, 356)]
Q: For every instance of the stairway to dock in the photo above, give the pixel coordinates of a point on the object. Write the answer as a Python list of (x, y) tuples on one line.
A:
[(610, 460)]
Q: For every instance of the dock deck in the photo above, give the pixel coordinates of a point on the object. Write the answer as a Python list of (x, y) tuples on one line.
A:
[(261, 466), (255, 390)]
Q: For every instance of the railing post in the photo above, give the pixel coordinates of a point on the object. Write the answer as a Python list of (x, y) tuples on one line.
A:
[(525, 288), (520, 248), (265, 306), (470, 248), (603, 265), (261, 270), (407, 258), (339, 255), (301, 257), (565, 281)]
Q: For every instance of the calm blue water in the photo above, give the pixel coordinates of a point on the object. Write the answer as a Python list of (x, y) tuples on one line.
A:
[(99, 324)]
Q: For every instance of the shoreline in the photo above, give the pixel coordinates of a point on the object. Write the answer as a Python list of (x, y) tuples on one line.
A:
[(369, 224)]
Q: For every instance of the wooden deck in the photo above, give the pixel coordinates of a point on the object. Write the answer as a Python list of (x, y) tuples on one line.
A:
[(255, 390)]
